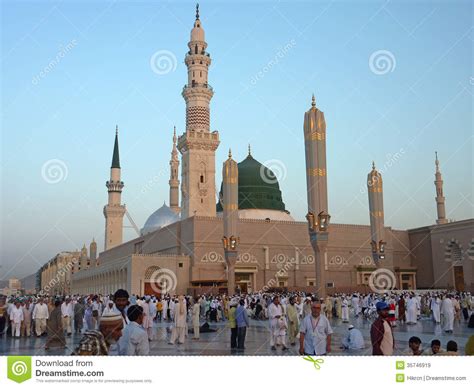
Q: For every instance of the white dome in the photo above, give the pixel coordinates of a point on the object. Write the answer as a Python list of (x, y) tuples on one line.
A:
[(162, 217)]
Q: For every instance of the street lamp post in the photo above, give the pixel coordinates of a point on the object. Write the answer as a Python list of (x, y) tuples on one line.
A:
[(318, 234)]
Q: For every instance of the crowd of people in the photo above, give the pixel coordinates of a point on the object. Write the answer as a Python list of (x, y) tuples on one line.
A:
[(123, 324)]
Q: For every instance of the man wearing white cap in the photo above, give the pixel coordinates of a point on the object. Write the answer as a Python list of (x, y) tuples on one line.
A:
[(98, 342), (353, 339)]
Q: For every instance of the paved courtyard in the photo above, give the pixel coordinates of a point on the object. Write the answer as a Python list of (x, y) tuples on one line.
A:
[(257, 341)]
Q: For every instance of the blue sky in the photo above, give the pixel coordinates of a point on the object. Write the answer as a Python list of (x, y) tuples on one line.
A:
[(268, 58)]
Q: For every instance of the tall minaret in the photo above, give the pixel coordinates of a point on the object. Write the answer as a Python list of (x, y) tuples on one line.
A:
[(439, 194), (198, 144), (174, 178), (93, 252), (318, 218), (230, 217), (114, 210), (377, 231), (83, 258), (315, 151)]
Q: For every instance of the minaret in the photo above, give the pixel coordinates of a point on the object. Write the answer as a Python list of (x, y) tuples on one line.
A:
[(230, 204), (174, 178), (198, 144), (439, 194), (377, 231), (316, 181), (93, 252), (83, 258), (114, 210)]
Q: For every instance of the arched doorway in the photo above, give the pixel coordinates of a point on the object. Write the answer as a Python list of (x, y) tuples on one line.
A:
[(151, 286)]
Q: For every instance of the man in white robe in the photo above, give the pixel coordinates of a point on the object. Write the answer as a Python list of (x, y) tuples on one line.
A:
[(180, 325), (345, 309), (40, 316), (355, 305), (411, 310), (196, 314), (435, 308), (353, 339), (447, 310), (16, 318), (275, 313)]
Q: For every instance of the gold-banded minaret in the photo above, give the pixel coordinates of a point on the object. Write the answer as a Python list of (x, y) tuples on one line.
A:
[(230, 204), (316, 180), (377, 227)]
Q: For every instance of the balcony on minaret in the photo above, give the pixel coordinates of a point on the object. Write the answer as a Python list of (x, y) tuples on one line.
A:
[(198, 138), (114, 186)]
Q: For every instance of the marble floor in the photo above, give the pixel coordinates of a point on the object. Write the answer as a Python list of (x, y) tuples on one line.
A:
[(257, 340)]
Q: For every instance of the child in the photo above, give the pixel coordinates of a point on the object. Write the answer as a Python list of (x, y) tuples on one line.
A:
[(435, 348), (414, 343)]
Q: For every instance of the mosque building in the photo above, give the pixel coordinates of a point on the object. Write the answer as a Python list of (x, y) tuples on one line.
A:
[(184, 247)]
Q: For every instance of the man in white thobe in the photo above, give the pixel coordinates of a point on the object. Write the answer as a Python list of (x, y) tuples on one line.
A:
[(180, 322), (411, 310), (355, 305), (345, 309), (353, 339), (447, 310), (16, 318), (435, 308), (275, 313), (40, 316), (67, 313)]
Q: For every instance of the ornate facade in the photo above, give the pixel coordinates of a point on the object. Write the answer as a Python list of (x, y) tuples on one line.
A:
[(181, 250)]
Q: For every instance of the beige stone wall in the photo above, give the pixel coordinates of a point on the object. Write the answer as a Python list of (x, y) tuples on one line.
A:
[(155, 268), (433, 248), (278, 253)]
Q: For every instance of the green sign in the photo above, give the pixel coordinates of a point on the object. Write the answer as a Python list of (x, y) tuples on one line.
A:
[(19, 368)]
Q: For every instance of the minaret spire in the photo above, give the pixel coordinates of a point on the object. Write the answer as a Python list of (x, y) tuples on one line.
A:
[(440, 200), (114, 210), (116, 156), (174, 180), (197, 11)]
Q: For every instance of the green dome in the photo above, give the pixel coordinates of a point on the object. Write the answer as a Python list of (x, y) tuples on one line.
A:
[(258, 187)]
